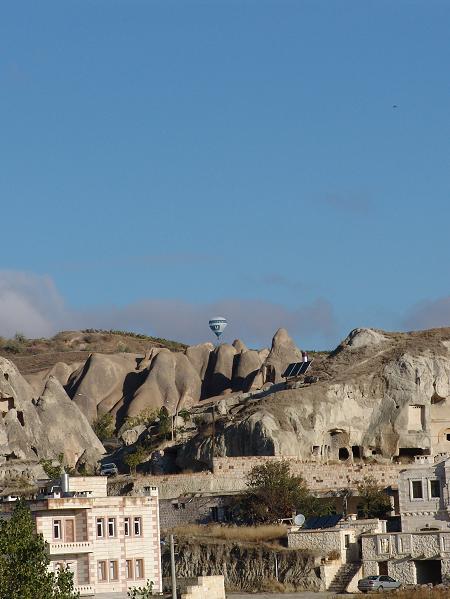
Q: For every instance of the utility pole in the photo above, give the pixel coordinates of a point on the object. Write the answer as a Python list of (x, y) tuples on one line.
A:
[(173, 573), (213, 447)]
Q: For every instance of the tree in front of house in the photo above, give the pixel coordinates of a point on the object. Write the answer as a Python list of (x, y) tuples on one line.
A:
[(24, 562), (136, 457), (374, 501), (274, 494)]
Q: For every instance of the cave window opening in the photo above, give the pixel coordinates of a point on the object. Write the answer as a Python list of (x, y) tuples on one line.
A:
[(20, 418), (316, 450), (448, 436), (6, 375), (343, 454), (410, 452), (356, 451)]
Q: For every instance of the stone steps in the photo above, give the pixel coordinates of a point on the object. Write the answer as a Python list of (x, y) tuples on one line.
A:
[(343, 577)]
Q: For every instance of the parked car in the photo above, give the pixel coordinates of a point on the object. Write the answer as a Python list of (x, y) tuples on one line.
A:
[(109, 469), (377, 583)]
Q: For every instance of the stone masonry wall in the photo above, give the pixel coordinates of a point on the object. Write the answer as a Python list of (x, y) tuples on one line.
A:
[(316, 540), (229, 475), (207, 587), (318, 477), (198, 509)]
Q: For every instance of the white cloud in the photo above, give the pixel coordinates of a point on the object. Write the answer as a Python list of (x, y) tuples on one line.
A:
[(32, 305), (429, 314), (29, 304)]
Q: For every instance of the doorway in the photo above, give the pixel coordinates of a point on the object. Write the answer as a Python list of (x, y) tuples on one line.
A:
[(428, 571)]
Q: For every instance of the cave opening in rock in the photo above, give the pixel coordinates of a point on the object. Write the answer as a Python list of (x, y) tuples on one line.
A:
[(410, 452), (356, 451), (20, 418), (343, 454)]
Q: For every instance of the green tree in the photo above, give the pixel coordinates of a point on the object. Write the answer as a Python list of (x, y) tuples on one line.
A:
[(24, 560), (133, 459), (185, 415), (50, 469), (141, 592), (104, 426), (274, 493), (374, 502), (165, 422)]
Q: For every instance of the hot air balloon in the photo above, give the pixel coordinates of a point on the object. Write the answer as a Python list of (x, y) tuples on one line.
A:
[(217, 325)]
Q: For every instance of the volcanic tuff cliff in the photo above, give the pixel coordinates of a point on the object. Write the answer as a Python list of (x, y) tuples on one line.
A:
[(377, 395), (42, 425)]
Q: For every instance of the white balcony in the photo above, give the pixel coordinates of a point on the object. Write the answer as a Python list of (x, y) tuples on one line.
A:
[(85, 589), (60, 548)]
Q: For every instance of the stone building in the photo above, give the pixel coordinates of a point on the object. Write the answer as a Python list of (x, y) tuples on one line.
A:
[(420, 553), (111, 544), (338, 549), (193, 509)]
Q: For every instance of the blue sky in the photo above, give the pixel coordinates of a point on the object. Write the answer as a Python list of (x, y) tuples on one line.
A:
[(162, 161)]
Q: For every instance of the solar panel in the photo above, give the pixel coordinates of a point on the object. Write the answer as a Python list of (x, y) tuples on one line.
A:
[(316, 522), (304, 368), (289, 369), (296, 368)]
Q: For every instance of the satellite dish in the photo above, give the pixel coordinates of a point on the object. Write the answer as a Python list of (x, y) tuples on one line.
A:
[(299, 520), (217, 325)]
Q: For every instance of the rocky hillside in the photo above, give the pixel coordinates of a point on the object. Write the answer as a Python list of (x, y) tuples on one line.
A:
[(378, 396), (42, 426), (246, 566)]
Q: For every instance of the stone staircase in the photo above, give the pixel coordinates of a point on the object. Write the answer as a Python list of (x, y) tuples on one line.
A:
[(343, 577)]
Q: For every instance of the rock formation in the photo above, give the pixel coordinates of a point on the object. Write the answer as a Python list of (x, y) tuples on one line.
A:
[(379, 396), (42, 427)]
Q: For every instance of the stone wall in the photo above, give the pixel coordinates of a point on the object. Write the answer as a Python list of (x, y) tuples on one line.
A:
[(318, 477), (229, 475), (321, 542), (176, 512), (207, 587)]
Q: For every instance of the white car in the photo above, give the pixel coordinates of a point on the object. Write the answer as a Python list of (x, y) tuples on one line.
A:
[(377, 583), (109, 470)]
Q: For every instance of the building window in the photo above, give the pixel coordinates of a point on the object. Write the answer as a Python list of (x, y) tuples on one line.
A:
[(137, 526), (139, 568), (99, 528), (416, 489), (113, 570), (129, 569), (111, 527), (101, 571), (57, 529), (347, 541), (446, 543), (384, 545), (126, 527), (435, 488)]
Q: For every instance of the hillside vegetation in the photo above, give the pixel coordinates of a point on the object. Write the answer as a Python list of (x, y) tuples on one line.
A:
[(32, 355)]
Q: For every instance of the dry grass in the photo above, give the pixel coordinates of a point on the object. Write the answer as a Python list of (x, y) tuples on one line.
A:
[(412, 593), (245, 534)]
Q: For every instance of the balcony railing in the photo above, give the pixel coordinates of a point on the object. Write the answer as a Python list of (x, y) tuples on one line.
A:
[(85, 589), (59, 547)]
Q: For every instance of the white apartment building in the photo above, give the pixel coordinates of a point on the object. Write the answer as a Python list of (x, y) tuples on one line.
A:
[(111, 544)]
